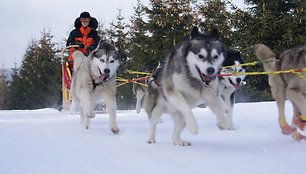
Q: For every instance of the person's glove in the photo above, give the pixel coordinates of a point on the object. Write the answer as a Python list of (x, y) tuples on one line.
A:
[(90, 48), (81, 45)]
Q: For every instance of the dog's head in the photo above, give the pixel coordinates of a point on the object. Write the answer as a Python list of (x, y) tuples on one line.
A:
[(205, 55), (230, 66), (104, 63)]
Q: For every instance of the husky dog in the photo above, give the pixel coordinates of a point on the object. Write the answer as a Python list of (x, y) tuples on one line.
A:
[(229, 84), (188, 76), (94, 81), (285, 85), (140, 90)]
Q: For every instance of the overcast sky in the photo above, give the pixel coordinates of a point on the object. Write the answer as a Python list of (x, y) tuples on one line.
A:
[(24, 20)]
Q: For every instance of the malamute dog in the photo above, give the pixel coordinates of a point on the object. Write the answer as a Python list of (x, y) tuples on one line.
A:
[(188, 76), (285, 85), (94, 81), (229, 84)]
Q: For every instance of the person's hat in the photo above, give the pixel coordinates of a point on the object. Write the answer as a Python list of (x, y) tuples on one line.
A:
[(85, 14)]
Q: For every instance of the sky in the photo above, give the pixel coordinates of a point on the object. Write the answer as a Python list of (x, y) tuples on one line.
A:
[(24, 20), (51, 142)]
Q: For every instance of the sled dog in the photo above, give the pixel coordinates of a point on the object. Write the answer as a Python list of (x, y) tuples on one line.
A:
[(94, 82), (229, 84), (140, 88), (291, 85), (188, 76)]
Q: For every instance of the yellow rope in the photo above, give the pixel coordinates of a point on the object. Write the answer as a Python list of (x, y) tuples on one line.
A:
[(137, 72), (126, 81), (294, 71), (244, 64)]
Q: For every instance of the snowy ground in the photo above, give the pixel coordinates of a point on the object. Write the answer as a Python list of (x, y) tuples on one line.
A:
[(50, 142)]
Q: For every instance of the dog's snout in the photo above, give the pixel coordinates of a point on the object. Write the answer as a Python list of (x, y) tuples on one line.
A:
[(238, 80), (210, 71), (106, 71)]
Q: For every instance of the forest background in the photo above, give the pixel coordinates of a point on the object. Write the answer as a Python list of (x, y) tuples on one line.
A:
[(152, 31)]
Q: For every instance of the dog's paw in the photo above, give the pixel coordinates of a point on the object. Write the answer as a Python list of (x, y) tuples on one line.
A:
[(86, 123), (288, 130), (115, 130), (221, 125), (298, 137), (151, 141), (181, 142), (90, 115), (298, 122)]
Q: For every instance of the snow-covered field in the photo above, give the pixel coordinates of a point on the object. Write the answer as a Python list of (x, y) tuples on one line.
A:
[(50, 142)]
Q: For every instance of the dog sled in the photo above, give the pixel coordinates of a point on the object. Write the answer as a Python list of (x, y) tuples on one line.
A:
[(66, 77)]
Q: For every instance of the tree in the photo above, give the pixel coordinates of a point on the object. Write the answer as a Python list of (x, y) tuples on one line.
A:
[(3, 88), (278, 24), (36, 84), (138, 40), (215, 14), (168, 23)]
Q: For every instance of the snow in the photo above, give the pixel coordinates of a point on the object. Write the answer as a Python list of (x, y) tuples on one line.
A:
[(46, 141)]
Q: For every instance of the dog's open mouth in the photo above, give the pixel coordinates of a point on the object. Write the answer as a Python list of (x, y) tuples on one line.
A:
[(205, 78), (104, 77), (237, 85)]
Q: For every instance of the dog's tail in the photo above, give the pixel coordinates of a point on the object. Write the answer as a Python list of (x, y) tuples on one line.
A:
[(262, 51), (77, 58)]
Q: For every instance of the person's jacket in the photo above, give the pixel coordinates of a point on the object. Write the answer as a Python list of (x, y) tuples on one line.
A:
[(87, 35)]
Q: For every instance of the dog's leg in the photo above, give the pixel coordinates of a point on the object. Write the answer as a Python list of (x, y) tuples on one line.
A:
[(178, 101), (217, 106), (139, 97), (86, 121), (154, 117), (111, 107), (279, 93), (299, 103), (81, 116), (179, 125), (87, 107), (229, 99), (87, 104)]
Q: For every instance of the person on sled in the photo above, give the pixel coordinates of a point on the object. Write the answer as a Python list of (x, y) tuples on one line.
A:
[(84, 35)]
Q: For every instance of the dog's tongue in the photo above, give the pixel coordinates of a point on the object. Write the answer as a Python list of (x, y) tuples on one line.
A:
[(237, 86), (207, 79), (103, 77)]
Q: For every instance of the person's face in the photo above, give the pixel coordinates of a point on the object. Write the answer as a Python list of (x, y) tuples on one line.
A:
[(85, 21)]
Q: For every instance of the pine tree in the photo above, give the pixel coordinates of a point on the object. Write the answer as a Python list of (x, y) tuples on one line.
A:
[(278, 24), (168, 23), (37, 83), (3, 88), (215, 14), (138, 41), (118, 35)]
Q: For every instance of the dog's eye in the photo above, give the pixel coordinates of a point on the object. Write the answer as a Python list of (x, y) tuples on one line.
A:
[(226, 71), (215, 57), (102, 60), (201, 56), (112, 61)]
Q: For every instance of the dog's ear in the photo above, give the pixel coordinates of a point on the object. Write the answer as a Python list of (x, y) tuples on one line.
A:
[(214, 33), (194, 32)]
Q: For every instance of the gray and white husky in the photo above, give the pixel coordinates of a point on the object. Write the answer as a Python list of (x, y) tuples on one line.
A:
[(229, 84), (188, 76), (94, 82)]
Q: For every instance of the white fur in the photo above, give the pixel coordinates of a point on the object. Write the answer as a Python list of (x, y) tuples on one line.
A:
[(88, 90)]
